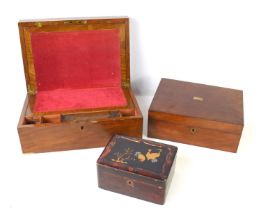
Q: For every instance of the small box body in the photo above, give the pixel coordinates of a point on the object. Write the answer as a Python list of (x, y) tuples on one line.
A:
[(135, 167), (78, 84), (197, 114)]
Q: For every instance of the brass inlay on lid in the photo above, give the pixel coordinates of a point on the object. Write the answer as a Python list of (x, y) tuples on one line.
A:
[(73, 22), (197, 98), (38, 24)]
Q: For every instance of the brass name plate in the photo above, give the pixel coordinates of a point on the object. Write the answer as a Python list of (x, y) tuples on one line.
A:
[(196, 98)]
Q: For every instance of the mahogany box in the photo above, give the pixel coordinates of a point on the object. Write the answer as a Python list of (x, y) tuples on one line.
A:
[(135, 167), (197, 114), (77, 75)]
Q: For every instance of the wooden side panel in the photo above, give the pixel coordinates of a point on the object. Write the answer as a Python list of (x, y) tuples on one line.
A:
[(194, 134), (73, 135), (131, 184), (170, 177)]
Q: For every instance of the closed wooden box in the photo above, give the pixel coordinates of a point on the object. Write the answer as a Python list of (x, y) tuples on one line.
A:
[(77, 75), (197, 114), (135, 167)]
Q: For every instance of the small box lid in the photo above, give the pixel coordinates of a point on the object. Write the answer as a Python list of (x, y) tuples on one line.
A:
[(72, 53), (200, 101), (139, 156)]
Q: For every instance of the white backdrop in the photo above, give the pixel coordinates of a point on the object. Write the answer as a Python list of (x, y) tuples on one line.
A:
[(212, 42)]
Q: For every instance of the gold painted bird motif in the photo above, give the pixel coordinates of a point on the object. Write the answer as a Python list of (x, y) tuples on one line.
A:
[(150, 156), (140, 156)]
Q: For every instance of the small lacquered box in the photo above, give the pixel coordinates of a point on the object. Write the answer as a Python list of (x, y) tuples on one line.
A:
[(135, 167)]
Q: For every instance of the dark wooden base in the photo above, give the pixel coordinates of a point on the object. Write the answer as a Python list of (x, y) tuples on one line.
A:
[(131, 184)]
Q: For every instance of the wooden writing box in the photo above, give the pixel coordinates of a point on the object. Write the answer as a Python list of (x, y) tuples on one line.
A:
[(197, 114), (139, 168), (78, 84)]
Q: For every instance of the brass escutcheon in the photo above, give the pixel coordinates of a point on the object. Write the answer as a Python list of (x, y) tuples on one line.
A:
[(193, 130), (38, 24), (130, 183)]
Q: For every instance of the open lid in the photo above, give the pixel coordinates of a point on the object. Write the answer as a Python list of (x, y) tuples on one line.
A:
[(139, 156), (75, 53)]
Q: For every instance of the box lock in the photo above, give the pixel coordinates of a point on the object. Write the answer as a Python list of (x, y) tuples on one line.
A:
[(130, 183), (193, 130), (75, 22)]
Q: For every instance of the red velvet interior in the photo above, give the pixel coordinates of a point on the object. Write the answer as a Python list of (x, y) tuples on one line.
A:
[(77, 70)]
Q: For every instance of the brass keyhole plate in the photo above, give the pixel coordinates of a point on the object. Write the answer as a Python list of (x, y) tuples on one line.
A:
[(193, 130), (130, 183)]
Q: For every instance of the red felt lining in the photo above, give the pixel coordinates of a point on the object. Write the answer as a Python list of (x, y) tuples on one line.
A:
[(77, 70), (71, 99)]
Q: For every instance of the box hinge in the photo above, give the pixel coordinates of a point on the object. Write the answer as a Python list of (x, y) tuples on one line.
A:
[(75, 22), (30, 90), (126, 84)]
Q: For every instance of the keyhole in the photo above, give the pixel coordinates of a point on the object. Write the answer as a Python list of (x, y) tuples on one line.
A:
[(130, 183), (82, 127), (193, 130)]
